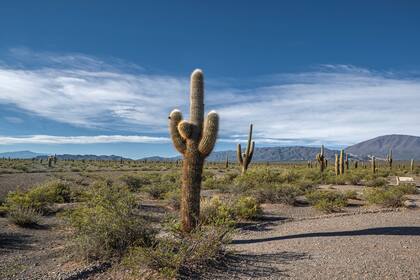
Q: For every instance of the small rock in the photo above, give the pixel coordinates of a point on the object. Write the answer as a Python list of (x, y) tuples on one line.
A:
[(410, 204)]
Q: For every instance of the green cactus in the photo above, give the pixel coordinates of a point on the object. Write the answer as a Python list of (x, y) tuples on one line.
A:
[(194, 139), (321, 159), (244, 159), (337, 165), (227, 161), (389, 158), (412, 165), (342, 162), (373, 164), (347, 162)]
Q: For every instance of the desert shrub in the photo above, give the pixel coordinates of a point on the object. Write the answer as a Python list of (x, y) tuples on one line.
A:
[(173, 257), (40, 197), (24, 216), (278, 194), (106, 225), (174, 199), (134, 182), (247, 208), (214, 211), (327, 201), (220, 183), (407, 188), (350, 194), (158, 190), (377, 182), (388, 197)]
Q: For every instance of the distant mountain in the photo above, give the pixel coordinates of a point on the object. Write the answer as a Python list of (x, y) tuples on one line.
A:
[(85, 157), (20, 154), (276, 154), (404, 147)]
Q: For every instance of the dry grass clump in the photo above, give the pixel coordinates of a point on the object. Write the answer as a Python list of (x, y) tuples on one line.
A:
[(24, 216), (327, 201)]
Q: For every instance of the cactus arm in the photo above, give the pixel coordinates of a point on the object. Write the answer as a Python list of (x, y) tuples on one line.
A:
[(239, 154), (209, 137), (248, 147), (185, 129), (251, 152), (196, 101), (175, 118)]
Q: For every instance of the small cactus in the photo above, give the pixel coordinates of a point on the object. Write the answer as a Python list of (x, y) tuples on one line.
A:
[(244, 159), (321, 159), (194, 139)]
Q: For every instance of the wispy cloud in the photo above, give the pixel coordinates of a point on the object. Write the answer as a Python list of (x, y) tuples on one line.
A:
[(334, 103), (50, 139)]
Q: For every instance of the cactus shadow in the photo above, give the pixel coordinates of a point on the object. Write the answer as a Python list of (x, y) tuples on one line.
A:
[(14, 241), (249, 266)]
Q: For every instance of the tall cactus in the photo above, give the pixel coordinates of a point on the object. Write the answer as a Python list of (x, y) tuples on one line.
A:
[(227, 161), (373, 164), (321, 159), (342, 162), (389, 158), (244, 159), (337, 165), (194, 139), (347, 161), (412, 165)]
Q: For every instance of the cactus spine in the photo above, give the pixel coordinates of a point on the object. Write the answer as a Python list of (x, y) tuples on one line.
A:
[(244, 159), (342, 162), (195, 140), (373, 163), (321, 159)]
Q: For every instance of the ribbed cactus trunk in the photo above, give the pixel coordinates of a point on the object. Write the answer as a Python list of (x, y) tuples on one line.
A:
[(389, 159), (341, 162), (194, 139), (337, 165), (321, 159), (373, 165), (244, 159)]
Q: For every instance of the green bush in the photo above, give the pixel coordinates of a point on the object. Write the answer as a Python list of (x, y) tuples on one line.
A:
[(159, 190), (40, 197), (327, 201), (407, 188), (388, 197), (350, 194), (24, 216), (247, 208), (174, 257), (106, 225), (377, 182), (214, 211), (174, 199), (134, 182)]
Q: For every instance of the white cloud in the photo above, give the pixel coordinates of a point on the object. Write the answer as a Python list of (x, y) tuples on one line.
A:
[(336, 103), (50, 139)]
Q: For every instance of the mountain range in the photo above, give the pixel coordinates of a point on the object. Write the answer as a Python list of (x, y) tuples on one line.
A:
[(404, 147)]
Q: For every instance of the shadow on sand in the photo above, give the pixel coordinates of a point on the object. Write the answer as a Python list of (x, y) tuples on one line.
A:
[(14, 241), (248, 266), (370, 231)]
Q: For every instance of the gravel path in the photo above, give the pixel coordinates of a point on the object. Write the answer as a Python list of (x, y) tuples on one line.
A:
[(361, 246)]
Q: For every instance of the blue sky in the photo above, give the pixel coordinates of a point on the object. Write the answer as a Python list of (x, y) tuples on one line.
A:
[(101, 76)]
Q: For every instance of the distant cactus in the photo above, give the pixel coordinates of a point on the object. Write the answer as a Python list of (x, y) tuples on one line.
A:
[(373, 164), (194, 139), (356, 163), (50, 160), (244, 159), (347, 161), (412, 165), (227, 161), (342, 162), (337, 165), (321, 159), (55, 159), (389, 158)]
